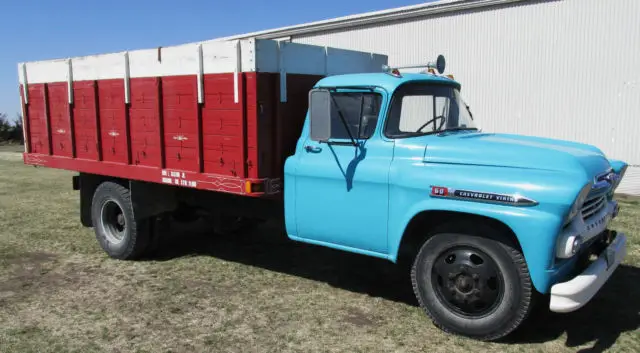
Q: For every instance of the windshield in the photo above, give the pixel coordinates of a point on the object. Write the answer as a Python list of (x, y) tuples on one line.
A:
[(418, 109)]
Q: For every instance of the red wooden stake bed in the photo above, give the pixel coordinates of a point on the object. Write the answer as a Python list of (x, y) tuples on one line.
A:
[(215, 115)]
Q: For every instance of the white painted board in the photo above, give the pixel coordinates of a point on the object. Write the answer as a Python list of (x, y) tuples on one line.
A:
[(217, 57)]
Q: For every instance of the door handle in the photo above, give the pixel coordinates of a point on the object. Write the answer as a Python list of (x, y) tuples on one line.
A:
[(312, 149)]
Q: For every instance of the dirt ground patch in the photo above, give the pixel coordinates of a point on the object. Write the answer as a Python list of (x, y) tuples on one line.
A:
[(253, 292)]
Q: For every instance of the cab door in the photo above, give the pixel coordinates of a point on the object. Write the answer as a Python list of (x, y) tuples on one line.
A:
[(342, 190)]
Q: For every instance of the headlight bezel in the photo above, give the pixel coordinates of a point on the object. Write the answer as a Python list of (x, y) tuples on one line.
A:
[(578, 203), (619, 177)]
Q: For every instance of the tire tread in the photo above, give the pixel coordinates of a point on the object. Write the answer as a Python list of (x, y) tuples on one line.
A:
[(137, 242), (523, 272)]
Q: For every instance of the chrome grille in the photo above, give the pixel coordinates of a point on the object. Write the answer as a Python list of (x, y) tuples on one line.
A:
[(593, 205)]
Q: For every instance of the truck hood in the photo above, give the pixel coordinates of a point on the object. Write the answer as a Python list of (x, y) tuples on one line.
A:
[(516, 151)]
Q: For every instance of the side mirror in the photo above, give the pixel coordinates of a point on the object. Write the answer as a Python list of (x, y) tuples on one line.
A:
[(320, 114)]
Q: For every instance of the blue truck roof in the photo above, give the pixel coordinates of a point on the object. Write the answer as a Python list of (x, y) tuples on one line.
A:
[(383, 80)]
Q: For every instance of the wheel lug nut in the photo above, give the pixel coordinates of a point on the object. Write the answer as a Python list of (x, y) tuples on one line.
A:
[(475, 276), (452, 275)]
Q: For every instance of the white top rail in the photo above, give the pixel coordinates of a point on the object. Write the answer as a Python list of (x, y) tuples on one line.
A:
[(246, 55)]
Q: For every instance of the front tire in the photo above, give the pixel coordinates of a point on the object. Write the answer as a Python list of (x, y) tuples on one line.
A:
[(119, 233), (472, 280)]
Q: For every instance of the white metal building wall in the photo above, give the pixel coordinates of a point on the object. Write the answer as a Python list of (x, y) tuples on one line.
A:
[(567, 69)]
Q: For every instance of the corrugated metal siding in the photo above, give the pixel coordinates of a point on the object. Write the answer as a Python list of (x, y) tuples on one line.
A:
[(561, 69)]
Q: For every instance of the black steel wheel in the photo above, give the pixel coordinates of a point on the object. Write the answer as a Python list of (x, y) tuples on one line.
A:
[(472, 280), (113, 221), (467, 281), (119, 233)]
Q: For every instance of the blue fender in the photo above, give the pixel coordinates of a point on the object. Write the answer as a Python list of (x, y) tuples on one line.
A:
[(535, 230)]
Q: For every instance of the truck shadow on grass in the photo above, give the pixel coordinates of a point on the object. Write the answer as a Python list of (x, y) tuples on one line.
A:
[(615, 310)]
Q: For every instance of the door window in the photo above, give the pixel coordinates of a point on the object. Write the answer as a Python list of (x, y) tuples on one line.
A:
[(360, 112)]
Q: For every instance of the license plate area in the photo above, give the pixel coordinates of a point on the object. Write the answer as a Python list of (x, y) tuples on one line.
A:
[(610, 252), (610, 256)]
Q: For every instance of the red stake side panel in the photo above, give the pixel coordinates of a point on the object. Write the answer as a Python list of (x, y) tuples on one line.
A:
[(223, 126), (85, 119), (180, 122), (113, 127), (165, 135), (58, 107), (36, 119), (144, 120)]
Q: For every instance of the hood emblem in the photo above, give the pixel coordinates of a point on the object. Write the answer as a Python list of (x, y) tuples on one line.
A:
[(480, 196)]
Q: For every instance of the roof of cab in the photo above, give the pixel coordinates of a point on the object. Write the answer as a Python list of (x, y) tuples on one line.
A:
[(386, 81)]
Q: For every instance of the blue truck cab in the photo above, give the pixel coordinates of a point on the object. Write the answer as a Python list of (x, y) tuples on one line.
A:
[(391, 165)]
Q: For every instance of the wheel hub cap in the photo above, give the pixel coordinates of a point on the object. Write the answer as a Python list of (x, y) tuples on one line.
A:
[(121, 219), (464, 283), (467, 281), (113, 221)]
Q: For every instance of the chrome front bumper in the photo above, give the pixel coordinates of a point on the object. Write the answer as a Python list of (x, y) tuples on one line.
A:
[(575, 293)]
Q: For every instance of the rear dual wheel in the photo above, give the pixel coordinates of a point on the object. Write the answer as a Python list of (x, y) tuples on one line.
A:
[(473, 281), (119, 233)]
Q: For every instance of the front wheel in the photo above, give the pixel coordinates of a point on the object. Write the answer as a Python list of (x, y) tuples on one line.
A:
[(473, 281)]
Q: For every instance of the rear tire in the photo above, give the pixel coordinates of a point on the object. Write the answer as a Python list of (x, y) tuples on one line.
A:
[(473, 281), (117, 230)]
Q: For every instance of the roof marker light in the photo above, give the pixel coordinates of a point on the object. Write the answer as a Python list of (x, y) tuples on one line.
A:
[(391, 71)]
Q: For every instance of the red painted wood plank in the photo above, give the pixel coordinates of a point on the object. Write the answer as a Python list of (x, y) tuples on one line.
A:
[(84, 119), (113, 129), (36, 115), (222, 126), (180, 122), (58, 103), (144, 120)]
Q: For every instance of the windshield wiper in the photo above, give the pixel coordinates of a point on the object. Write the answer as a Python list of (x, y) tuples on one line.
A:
[(457, 129)]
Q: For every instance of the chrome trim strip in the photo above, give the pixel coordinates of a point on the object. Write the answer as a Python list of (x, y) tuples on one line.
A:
[(483, 197)]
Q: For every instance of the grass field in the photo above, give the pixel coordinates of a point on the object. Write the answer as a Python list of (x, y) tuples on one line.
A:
[(253, 292), (11, 147)]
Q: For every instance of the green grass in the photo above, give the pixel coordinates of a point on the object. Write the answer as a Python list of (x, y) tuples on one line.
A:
[(253, 292), (6, 147)]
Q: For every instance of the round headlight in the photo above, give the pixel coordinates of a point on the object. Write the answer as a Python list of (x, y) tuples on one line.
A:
[(576, 244), (568, 245)]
